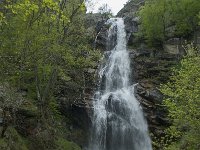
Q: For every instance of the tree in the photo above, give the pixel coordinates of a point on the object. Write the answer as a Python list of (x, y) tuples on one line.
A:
[(153, 21), (40, 43), (42, 36), (43, 45), (158, 18), (183, 101), (105, 11)]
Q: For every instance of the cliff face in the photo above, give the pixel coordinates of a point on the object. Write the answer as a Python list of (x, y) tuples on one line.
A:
[(150, 66)]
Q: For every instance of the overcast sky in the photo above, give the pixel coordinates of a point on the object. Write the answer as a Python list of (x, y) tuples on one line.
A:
[(115, 5)]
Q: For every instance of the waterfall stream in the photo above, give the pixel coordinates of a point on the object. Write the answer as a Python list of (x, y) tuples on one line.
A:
[(117, 122)]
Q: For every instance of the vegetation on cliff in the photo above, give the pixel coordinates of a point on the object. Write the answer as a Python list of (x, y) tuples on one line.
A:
[(183, 100), (45, 47), (41, 44), (161, 20), (168, 18)]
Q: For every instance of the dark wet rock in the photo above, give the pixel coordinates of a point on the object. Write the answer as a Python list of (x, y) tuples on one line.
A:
[(25, 122), (101, 40), (93, 20), (170, 31), (130, 8), (150, 71), (150, 67), (155, 95), (1, 121), (75, 99), (131, 19)]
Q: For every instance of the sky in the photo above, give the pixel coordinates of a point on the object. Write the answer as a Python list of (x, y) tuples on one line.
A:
[(115, 5)]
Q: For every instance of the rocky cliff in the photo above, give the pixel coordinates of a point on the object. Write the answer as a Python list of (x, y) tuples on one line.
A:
[(150, 66)]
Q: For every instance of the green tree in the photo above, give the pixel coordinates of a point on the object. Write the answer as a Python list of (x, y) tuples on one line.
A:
[(42, 40), (41, 43), (161, 17), (105, 11), (183, 101), (153, 21)]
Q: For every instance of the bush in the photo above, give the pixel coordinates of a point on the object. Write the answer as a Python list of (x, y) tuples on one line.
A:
[(183, 101)]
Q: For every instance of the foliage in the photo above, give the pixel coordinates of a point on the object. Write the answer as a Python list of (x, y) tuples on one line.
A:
[(10, 102), (152, 19), (13, 141), (41, 43), (105, 11), (199, 18), (183, 101), (158, 18), (63, 144), (9, 97)]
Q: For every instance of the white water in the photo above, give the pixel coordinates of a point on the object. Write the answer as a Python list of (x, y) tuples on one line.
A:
[(118, 122)]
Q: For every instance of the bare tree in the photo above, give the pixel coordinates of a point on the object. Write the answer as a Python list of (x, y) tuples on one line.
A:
[(105, 10)]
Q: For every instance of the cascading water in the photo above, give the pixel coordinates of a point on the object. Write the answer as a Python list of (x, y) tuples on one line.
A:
[(118, 122)]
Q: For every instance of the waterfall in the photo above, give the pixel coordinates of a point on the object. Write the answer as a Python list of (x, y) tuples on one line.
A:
[(117, 122)]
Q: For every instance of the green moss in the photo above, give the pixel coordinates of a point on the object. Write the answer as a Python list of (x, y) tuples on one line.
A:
[(66, 145), (3, 144), (12, 141), (29, 112)]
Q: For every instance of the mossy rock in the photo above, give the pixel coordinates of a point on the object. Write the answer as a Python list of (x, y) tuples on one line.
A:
[(3, 144), (12, 141), (66, 145)]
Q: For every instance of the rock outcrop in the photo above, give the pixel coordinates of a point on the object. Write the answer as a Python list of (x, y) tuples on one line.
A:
[(150, 66), (149, 72)]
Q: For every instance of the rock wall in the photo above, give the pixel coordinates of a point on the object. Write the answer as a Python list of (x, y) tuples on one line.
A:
[(76, 104), (149, 72), (150, 68)]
